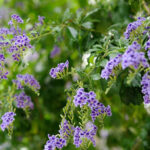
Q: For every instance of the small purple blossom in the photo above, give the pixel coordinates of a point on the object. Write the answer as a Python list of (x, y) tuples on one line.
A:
[(108, 110), (20, 42), (107, 71), (146, 87), (10, 23), (148, 54), (65, 129), (41, 19), (80, 135), (7, 119), (27, 80), (82, 98), (24, 101), (59, 69), (147, 45), (17, 18), (133, 26), (55, 51), (3, 73), (54, 142), (132, 57)]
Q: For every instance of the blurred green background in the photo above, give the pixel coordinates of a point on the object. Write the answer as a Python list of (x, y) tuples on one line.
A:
[(129, 126)]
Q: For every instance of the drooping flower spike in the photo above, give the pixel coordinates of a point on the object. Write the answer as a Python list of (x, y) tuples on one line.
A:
[(7, 119), (82, 98), (23, 101), (27, 80), (133, 26), (112, 63), (58, 71)]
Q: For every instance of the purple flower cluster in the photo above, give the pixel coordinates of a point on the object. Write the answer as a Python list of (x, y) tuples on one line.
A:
[(107, 71), (17, 18), (41, 19), (54, 142), (4, 31), (27, 80), (3, 73), (55, 51), (23, 101), (132, 57), (146, 87), (133, 26), (65, 129), (19, 44), (82, 98), (80, 135), (2, 59), (147, 47), (59, 69), (7, 119)]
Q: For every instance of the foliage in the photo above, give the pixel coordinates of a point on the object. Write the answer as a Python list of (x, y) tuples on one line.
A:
[(88, 36)]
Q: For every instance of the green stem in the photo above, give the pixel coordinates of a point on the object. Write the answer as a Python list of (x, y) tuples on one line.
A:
[(147, 9)]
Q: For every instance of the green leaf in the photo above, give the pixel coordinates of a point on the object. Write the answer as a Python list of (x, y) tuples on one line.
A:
[(28, 20), (95, 76), (56, 29), (131, 95), (103, 63), (87, 25), (91, 12), (73, 32), (110, 85), (91, 59), (67, 15), (134, 79)]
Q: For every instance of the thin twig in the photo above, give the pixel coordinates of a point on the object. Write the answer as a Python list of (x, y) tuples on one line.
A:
[(146, 7)]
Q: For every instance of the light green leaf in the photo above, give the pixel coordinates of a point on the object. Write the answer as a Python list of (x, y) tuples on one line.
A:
[(73, 32), (87, 25), (95, 76)]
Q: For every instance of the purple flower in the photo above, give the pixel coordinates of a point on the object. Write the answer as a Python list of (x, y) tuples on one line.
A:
[(148, 53), (59, 69), (132, 57), (133, 26), (4, 31), (80, 135), (17, 18), (108, 110), (7, 119), (147, 46), (82, 98), (23, 101), (41, 19), (27, 80), (55, 51), (146, 87), (18, 44), (16, 56), (65, 129), (10, 23), (107, 71), (2, 59), (3, 73), (54, 142)]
